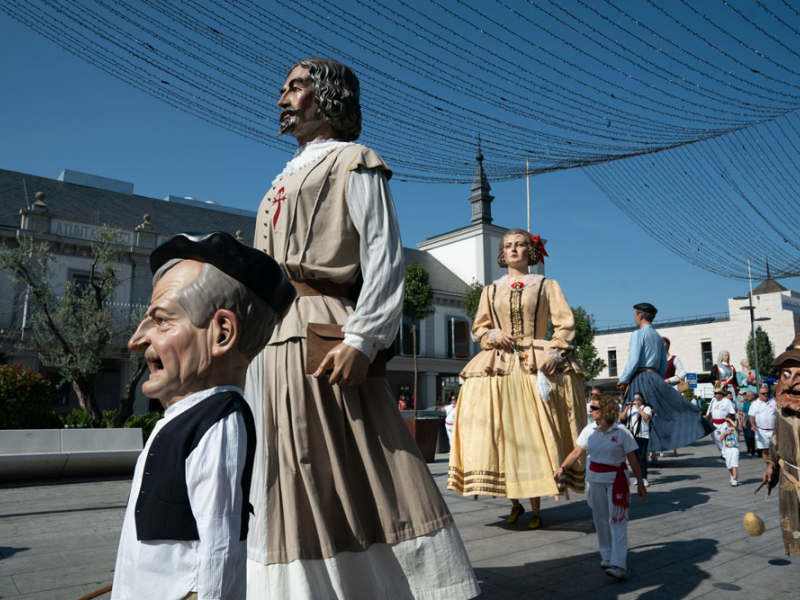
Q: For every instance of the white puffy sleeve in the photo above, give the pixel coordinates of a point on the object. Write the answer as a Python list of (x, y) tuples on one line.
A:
[(379, 310)]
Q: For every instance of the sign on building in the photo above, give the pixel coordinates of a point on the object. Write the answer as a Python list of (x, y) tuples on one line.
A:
[(692, 379), (789, 303)]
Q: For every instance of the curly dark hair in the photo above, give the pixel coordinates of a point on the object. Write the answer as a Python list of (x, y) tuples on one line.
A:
[(609, 408), (533, 253), (336, 91)]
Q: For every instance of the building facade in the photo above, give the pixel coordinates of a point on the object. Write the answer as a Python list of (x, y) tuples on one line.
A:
[(699, 340), (68, 213)]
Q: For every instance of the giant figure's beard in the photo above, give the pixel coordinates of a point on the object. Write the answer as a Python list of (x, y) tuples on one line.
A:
[(287, 124), (787, 397)]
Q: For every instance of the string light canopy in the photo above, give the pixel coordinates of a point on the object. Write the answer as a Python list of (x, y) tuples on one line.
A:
[(678, 115)]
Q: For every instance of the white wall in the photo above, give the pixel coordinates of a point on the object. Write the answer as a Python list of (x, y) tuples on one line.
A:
[(731, 335)]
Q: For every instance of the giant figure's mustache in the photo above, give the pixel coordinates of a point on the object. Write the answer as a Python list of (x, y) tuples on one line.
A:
[(288, 121)]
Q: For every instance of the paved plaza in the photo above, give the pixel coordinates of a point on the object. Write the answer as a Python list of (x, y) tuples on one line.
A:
[(58, 540)]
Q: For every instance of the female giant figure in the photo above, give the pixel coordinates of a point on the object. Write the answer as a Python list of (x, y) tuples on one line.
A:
[(508, 438)]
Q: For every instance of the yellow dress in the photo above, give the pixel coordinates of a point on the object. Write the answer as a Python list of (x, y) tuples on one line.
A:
[(506, 440)]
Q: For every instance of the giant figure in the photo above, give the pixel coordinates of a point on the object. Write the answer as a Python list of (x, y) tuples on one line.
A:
[(783, 458), (345, 506)]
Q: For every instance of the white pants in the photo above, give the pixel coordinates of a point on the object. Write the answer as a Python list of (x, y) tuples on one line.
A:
[(717, 440), (731, 456), (763, 436), (612, 537)]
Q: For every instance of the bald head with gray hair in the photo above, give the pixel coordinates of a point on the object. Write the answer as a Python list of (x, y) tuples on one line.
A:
[(213, 290)]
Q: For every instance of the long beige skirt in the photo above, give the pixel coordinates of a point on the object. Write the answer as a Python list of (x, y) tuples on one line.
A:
[(508, 442), (336, 469)]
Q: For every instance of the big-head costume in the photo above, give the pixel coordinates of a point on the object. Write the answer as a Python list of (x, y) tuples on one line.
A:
[(784, 448), (188, 512), (345, 506)]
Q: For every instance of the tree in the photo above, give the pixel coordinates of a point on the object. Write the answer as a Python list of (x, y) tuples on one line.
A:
[(70, 330), (471, 299), (584, 352), (766, 353), (417, 305), (140, 366)]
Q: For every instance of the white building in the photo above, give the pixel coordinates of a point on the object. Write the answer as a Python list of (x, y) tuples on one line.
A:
[(73, 208), (698, 340)]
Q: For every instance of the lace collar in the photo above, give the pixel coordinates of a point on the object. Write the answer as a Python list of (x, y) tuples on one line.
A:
[(309, 153), (506, 281)]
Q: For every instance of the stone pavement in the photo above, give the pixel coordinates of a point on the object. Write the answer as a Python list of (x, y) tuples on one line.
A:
[(58, 540)]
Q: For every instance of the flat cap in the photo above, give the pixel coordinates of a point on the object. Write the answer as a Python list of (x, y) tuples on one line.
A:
[(792, 353), (646, 307), (256, 270)]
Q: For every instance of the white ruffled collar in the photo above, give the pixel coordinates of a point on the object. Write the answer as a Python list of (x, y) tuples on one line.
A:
[(527, 280), (309, 153)]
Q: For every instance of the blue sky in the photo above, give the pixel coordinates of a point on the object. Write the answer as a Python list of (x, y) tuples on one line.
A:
[(59, 112)]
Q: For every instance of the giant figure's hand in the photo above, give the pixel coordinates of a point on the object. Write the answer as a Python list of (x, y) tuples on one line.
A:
[(503, 340), (349, 366), (767, 474), (548, 366)]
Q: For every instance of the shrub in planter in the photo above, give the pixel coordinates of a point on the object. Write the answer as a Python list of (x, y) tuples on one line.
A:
[(79, 419), (146, 421), (25, 399)]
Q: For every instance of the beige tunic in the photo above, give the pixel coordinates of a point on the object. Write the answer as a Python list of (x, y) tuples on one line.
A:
[(342, 471), (784, 453)]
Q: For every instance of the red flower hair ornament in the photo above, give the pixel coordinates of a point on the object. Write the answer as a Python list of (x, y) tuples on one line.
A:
[(537, 243)]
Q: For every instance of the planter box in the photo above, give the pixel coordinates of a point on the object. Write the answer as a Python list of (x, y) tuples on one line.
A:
[(425, 432), (46, 453)]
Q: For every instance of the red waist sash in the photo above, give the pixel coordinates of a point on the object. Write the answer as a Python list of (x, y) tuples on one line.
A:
[(620, 492), (718, 421)]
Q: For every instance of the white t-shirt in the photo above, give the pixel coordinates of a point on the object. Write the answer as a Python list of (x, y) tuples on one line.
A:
[(633, 422), (719, 409), (608, 448), (764, 412)]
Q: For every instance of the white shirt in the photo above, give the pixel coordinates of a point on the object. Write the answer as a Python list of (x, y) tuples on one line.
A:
[(215, 565), (680, 372), (633, 422), (764, 412), (450, 414), (379, 310), (719, 409), (608, 448)]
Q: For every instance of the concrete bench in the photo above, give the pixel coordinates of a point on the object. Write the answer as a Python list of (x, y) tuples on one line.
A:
[(45, 453)]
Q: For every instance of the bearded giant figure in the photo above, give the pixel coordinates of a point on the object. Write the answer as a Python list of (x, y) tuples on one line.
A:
[(784, 448)]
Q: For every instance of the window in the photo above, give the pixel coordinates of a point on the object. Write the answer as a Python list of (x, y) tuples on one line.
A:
[(405, 339), (708, 357), (82, 282), (458, 338), (612, 363)]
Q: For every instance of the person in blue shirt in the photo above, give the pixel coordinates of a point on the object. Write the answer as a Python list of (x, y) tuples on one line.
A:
[(676, 422)]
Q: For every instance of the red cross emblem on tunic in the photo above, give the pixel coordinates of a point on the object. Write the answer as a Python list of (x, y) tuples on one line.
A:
[(614, 439), (279, 198)]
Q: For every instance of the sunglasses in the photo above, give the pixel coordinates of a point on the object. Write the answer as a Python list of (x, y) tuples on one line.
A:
[(593, 408), (763, 394)]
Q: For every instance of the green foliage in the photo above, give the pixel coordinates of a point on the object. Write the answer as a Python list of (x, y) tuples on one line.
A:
[(71, 326), (585, 352), (689, 394), (146, 421), (79, 419), (418, 298), (25, 399), (471, 300), (766, 353)]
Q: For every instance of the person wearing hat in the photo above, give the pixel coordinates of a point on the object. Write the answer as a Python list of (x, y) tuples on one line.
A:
[(214, 306), (675, 421), (783, 456)]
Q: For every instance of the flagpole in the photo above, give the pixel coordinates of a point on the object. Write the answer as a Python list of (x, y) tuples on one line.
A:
[(528, 184)]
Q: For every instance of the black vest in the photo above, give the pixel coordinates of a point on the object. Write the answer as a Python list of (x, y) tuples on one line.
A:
[(163, 511)]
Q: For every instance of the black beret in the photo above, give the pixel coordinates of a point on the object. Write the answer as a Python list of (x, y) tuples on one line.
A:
[(256, 270), (646, 307)]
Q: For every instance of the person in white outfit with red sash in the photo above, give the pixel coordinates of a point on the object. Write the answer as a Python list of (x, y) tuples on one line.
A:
[(609, 445)]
